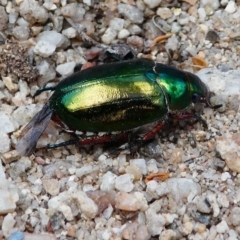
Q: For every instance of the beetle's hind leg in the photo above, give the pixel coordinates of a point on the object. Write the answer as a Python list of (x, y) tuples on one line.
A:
[(62, 144), (43, 89)]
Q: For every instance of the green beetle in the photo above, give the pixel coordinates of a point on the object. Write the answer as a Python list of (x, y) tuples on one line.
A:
[(116, 97)]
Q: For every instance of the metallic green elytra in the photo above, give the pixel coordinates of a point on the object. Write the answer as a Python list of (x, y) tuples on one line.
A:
[(116, 97)]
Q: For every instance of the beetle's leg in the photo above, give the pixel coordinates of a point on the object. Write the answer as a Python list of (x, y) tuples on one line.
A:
[(104, 139), (196, 116), (141, 140), (91, 141), (43, 89), (62, 144), (153, 132)]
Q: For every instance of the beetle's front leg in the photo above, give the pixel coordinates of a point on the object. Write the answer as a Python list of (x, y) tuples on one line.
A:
[(183, 116)]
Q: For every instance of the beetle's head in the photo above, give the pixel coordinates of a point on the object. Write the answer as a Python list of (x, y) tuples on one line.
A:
[(200, 92)]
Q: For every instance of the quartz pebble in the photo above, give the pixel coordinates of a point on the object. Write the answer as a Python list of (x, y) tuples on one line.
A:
[(228, 146), (108, 181), (7, 123), (235, 216), (124, 183), (109, 36), (21, 32), (44, 48), (155, 222), (131, 12), (51, 186), (70, 32), (164, 13), (52, 37), (3, 18), (46, 72), (231, 7), (222, 227), (86, 205), (152, 3), (66, 69), (5, 143), (8, 192), (33, 12), (141, 164), (102, 199), (7, 224)]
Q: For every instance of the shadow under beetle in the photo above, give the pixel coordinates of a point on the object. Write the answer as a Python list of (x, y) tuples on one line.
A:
[(117, 97)]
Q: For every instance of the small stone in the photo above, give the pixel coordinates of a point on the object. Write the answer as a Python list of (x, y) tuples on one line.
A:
[(134, 29), (127, 202), (234, 216), (225, 176), (141, 164), (108, 181), (44, 48), (86, 205), (131, 12), (10, 156), (102, 199), (186, 228), (202, 14), (201, 204), (7, 123), (200, 228), (12, 87), (21, 32), (135, 171), (124, 183), (5, 143), (211, 198), (52, 37), (8, 224), (155, 222), (231, 7), (152, 3), (229, 146), (46, 72), (50, 6), (124, 33), (87, 2), (181, 188), (66, 69), (107, 213), (3, 18), (168, 235), (142, 233), (191, 2), (51, 186), (13, 17), (164, 13), (214, 4), (109, 35), (169, 218), (222, 200), (32, 12), (70, 32), (69, 10), (117, 24), (222, 227)]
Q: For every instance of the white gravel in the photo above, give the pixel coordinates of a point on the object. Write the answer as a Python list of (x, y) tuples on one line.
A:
[(71, 193)]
